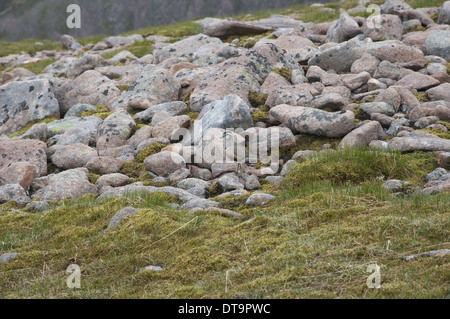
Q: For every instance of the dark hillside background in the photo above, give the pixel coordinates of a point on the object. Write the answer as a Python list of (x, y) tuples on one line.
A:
[(46, 19)]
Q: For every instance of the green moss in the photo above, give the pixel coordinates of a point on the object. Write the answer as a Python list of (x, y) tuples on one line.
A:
[(132, 169), (247, 41), (188, 111), (435, 16), (123, 88), (30, 125), (233, 202), (257, 99), (147, 180), (38, 67), (362, 165), (136, 128), (421, 96), (437, 132), (138, 49), (93, 178), (444, 123), (284, 72), (150, 150), (308, 142), (315, 241), (29, 46), (260, 116), (9, 207), (215, 190), (417, 28), (102, 112)]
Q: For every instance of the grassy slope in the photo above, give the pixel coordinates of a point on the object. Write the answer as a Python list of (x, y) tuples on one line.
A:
[(315, 240)]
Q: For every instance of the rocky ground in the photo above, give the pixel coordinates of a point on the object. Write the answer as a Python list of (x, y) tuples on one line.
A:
[(361, 107)]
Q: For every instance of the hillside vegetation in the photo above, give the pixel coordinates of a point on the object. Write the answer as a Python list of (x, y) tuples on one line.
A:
[(332, 216)]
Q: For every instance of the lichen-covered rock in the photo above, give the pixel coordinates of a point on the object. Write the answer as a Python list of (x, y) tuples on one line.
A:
[(164, 163), (173, 108), (28, 151), (395, 185), (120, 215), (154, 85), (436, 174), (390, 70), (338, 58), (290, 95), (73, 156), (77, 109), (363, 135), (418, 81), (394, 6), (230, 113), (444, 13), (90, 87), (105, 165), (222, 28), (24, 102), (113, 180), (316, 122), (343, 29), (18, 173), (167, 128), (419, 141), (8, 257), (438, 43), (438, 93), (121, 41), (367, 63), (118, 192), (73, 130), (184, 48), (114, 131), (259, 199), (70, 43), (72, 183), (13, 192), (301, 49), (239, 75), (383, 27), (83, 64), (377, 107)]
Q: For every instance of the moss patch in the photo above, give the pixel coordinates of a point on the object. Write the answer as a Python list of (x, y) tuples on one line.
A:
[(437, 132), (150, 150), (421, 96), (257, 99), (416, 28), (362, 165), (132, 169), (260, 116), (93, 178), (102, 112), (285, 73), (123, 88), (30, 125), (308, 142), (435, 16), (148, 180), (215, 190)]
